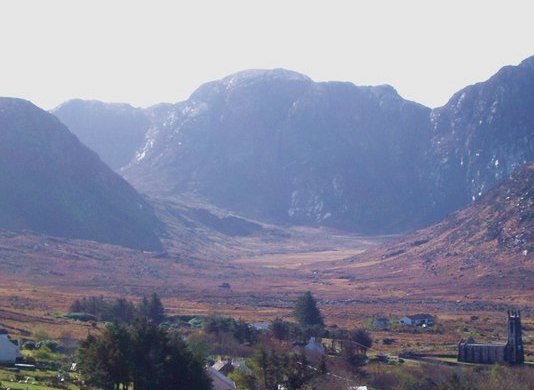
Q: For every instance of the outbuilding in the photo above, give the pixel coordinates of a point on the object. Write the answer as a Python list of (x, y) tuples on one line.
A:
[(422, 320)]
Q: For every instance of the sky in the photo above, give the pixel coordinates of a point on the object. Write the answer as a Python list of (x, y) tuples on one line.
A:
[(146, 52)]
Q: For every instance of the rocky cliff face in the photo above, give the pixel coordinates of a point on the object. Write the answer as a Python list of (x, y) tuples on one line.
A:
[(480, 136), (275, 145), (51, 183)]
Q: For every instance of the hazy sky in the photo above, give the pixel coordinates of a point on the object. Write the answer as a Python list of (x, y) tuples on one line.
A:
[(144, 52)]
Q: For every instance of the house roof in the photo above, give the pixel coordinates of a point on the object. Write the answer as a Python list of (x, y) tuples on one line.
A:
[(261, 325), (219, 365), (216, 376)]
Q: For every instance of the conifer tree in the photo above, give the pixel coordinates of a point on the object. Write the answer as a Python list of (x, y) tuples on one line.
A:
[(143, 354), (307, 313), (152, 309)]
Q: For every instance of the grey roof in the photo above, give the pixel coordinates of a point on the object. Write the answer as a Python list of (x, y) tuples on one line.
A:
[(485, 345), (217, 376)]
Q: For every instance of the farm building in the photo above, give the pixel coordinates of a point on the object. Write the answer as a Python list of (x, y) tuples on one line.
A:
[(423, 320), (223, 366), (511, 352), (9, 350), (314, 346)]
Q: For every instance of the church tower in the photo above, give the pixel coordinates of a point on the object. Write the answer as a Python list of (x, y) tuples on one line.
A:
[(514, 348)]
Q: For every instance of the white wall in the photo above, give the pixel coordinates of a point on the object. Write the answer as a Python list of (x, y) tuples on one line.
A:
[(8, 351)]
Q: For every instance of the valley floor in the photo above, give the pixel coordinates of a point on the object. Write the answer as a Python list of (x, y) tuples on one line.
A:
[(41, 276)]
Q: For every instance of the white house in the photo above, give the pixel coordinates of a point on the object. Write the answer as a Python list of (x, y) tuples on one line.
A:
[(314, 346), (423, 320), (9, 350)]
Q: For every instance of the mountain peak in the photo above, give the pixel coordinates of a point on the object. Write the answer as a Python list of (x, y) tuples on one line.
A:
[(95, 104), (255, 75), (7, 104), (274, 145), (528, 62)]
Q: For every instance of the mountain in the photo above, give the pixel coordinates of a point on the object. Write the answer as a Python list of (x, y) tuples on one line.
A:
[(480, 136), (489, 244), (114, 130), (52, 184), (274, 145)]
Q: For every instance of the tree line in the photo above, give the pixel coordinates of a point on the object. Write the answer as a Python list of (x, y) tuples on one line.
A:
[(137, 349), (142, 354), (119, 310)]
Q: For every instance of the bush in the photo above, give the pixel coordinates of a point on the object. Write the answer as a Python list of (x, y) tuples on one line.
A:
[(81, 316), (43, 353), (388, 341), (29, 345), (40, 334), (51, 345)]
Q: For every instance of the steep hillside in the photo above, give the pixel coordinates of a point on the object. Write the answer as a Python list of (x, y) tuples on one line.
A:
[(51, 183), (114, 131), (489, 244), (275, 145), (483, 133)]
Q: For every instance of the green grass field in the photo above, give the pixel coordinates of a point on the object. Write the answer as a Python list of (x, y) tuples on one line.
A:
[(36, 380)]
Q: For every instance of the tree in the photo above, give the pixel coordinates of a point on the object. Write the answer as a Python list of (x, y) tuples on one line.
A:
[(199, 346), (152, 309), (242, 332), (297, 370), (261, 364), (307, 313), (114, 349), (143, 354), (104, 359), (89, 363), (275, 368), (323, 369), (243, 380), (280, 329), (348, 352), (363, 339), (179, 369)]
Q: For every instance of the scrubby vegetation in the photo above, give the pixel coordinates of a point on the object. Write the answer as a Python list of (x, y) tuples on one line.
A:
[(155, 351), (120, 310)]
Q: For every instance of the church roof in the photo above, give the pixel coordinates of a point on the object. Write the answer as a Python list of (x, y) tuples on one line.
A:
[(485, 345)]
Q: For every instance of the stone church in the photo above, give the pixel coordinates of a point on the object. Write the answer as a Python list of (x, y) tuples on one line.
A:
[(511, 352)]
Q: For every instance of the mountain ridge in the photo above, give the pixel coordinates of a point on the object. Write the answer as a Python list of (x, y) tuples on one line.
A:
[(257, 133), (51, 183), (275, 145)]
